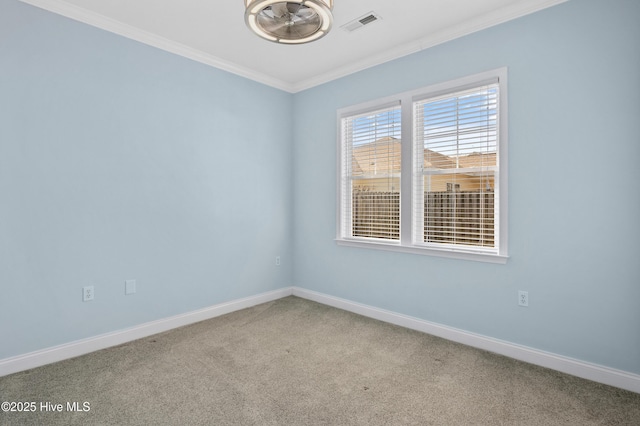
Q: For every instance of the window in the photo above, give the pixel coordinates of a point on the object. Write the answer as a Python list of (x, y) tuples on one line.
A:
[(371, 174), (425, 171)]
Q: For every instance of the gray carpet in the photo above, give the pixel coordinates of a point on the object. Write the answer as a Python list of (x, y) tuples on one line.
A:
[(296, 362)]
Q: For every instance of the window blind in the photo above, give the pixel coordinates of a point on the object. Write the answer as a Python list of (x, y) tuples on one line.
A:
[(456, 162), (371, 152)]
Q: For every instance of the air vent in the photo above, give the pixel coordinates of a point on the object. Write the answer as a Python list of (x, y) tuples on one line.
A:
[(366, 19)]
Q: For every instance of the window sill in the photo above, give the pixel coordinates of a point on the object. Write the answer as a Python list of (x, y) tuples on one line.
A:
[(426, 251)]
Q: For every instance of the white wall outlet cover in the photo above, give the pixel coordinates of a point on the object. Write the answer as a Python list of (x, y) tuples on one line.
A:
[(523, 298), (87, 293), (129, 286)]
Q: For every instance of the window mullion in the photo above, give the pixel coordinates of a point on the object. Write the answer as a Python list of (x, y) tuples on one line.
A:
[(406, 183)]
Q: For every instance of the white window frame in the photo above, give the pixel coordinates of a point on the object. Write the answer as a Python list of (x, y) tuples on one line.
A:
[(408, 172)]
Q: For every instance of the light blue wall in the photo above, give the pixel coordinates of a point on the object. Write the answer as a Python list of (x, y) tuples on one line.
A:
[(574, 155), (121, 161)]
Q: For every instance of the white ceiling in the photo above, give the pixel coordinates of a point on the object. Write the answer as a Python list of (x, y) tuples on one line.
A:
[(214, 32)]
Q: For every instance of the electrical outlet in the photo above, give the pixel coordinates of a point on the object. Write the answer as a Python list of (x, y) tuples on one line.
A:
[(129, 286), (277, 260), (87, 293), (523, 298)]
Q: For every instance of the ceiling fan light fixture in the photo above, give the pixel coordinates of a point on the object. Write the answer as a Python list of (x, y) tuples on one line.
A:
[(289, 22)]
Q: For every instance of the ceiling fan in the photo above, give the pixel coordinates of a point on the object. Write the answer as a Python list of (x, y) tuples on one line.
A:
[(289, 22)]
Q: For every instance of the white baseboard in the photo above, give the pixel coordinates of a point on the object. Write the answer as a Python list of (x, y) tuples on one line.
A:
[(597, 373), (585, 370), (91, 344)]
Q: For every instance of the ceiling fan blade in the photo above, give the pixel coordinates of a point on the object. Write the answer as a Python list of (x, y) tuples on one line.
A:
[(304, 29), (294, 8), (304, 13), (280, 10), (289, 20)]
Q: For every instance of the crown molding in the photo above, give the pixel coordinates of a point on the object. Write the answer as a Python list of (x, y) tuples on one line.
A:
[(100, 21), (76, 13), (440, 37)]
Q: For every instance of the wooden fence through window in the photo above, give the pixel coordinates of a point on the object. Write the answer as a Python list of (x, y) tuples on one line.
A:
[(460, 217), (376, 214), (452, 217)]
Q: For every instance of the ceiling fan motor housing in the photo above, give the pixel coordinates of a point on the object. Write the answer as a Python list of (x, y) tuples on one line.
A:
[(289, 22)]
